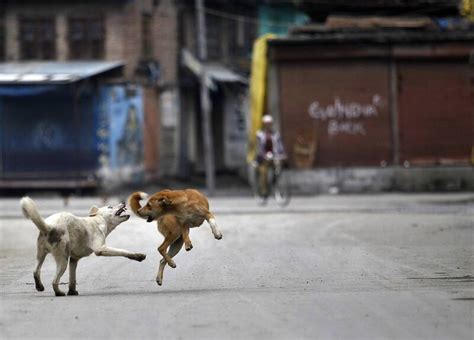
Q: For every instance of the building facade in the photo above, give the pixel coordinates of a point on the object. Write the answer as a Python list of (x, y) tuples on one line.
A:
[(231, 28), (142, 34), (375, 99)]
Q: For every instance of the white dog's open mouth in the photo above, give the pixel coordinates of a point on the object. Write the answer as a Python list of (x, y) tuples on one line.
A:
[(120, 211)]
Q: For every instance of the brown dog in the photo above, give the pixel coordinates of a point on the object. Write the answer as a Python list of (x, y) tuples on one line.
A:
[(175, 212)]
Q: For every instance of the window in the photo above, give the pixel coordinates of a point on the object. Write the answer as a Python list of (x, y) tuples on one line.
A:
[(37, 38), (229, 38), (147, 38), (86, 38), (214, 30), (242, 34)]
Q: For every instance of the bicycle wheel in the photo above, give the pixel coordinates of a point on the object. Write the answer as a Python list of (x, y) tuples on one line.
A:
[(282, 190)]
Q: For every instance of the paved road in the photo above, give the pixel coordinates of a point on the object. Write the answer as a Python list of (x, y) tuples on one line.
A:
[(383, 266)]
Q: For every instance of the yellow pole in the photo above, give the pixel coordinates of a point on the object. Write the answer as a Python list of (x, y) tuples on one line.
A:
[(468, 9)]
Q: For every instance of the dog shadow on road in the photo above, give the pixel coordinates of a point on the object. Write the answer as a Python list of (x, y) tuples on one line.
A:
[(95, 294)]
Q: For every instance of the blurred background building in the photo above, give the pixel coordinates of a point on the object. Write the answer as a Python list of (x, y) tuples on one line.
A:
[(85, 76), (362, 91)]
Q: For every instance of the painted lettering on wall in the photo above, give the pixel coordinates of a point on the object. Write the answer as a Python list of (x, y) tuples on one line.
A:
[(346, 118)]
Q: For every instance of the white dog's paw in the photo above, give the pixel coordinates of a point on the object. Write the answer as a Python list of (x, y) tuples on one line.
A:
[(38, 284), (72, 292), (139, 257)]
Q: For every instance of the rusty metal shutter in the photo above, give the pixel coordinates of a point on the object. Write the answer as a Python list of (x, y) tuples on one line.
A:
[(342, 105), (436, 106)]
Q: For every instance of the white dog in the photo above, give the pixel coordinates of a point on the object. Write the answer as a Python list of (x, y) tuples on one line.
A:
[(70, 238)]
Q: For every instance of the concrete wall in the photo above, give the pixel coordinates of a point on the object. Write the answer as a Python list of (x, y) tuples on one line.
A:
[(374, 179)]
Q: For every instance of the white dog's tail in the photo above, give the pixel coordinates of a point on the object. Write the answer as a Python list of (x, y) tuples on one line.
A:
[(30, 211)]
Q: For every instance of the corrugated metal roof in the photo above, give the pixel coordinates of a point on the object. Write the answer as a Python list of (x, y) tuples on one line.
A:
[(223, 74), (48, 72)]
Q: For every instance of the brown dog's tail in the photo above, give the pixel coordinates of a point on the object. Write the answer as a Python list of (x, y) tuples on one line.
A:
[(134, 202)]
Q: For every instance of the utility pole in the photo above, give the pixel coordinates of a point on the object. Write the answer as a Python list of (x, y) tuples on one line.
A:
[(205, 100)]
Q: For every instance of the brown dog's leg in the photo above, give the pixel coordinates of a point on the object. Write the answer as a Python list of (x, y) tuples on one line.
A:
[(174, 249), (72, 276), (187, 241), (41, 255), (163, 248), (212, 222)]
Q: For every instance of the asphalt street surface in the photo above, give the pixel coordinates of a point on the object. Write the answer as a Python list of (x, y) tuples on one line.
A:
[(391, 266)]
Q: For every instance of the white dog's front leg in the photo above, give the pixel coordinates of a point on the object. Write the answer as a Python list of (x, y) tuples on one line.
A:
[(109, 251)]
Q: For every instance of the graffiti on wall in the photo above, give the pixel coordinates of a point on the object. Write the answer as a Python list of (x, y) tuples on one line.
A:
[(120, 133), (346, 117), (130, 140)]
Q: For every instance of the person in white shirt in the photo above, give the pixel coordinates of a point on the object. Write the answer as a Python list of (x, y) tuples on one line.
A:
[(269, 153)]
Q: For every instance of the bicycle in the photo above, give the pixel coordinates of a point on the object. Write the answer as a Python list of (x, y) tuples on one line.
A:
[(271, 179)]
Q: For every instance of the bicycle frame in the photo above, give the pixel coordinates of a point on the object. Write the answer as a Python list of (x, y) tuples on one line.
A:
[(267, 174)]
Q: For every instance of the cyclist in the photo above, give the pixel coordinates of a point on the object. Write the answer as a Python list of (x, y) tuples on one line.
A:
[(270, 153)]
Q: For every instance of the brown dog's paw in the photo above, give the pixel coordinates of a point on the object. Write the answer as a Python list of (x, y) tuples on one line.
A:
[(189, 247), (159, 282), (72, 292), (218, 236), (172, 264), (139, 257), (59, 293)]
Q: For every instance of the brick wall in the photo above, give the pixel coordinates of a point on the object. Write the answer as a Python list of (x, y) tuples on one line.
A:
[(151, 134), (11, 32), (123, 40), (131, 37), (114, 48), (165, 45)]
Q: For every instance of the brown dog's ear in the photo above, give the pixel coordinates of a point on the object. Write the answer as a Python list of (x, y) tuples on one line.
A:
[(94, 210), (164, 201)]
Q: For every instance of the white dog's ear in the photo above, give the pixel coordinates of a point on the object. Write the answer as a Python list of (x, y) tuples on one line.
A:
[(94, 210)]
